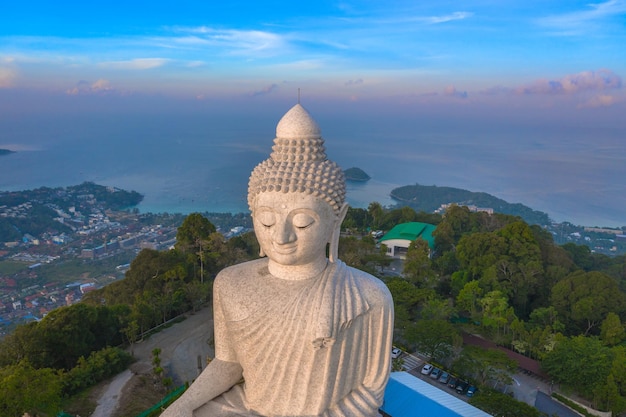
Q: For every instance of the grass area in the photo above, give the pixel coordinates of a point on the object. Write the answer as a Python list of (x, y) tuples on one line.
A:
[(12, 267), (71, 270)]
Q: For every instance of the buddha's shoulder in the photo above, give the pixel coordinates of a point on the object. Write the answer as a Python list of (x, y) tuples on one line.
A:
[(236, 275), (373, 288)]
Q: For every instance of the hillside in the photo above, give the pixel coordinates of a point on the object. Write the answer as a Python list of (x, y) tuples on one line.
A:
[(429, 198)]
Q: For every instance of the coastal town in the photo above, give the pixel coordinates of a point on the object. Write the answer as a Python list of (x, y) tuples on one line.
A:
[(58, 244), (89, 243)]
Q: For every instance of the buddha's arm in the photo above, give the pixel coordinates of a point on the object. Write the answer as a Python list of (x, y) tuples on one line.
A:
[(218, 377), (365, 399)]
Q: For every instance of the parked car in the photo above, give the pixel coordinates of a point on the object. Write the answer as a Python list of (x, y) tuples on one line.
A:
[(395, 353), (471, 391), (461, 387), (435, 373), (452, 382), (444, 377), (426, 369)]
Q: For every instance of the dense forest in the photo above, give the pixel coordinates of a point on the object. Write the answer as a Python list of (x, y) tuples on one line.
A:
[(430, 198), (493, 275)]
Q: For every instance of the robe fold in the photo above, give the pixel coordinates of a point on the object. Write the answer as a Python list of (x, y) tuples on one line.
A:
[(314, 347)]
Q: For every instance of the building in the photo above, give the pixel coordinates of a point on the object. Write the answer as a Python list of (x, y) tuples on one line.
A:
[(408, 396), (400, 237)]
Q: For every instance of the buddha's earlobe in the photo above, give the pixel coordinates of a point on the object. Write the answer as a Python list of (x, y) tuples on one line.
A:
[(333, 250)]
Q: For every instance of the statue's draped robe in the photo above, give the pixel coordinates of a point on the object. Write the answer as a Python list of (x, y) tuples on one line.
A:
[(314, 347)]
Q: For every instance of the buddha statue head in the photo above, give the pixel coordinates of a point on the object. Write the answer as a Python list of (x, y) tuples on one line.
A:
[(297, 195)]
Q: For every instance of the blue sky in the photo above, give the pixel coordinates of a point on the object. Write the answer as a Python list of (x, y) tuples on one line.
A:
[(565, 52), (523, 99)]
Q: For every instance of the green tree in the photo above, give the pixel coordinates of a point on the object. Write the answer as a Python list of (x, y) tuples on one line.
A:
[(612, 330), (193, 237), (406, 300), (356, 220), (437, 309), (24, 389), (498, 404), (581, 363), (469, 298), (376, 214), (192, 232), (496, 311), (435, 338), (479, 251), (485, 365), (584, 299), (417, 266)]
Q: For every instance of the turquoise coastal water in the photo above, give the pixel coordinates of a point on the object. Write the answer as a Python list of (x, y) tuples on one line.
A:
[(199, 164)]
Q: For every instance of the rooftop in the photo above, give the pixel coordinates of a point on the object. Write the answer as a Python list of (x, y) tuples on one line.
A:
[(408, 396)]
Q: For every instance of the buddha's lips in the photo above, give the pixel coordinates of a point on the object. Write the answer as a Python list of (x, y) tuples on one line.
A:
[(284, 249)]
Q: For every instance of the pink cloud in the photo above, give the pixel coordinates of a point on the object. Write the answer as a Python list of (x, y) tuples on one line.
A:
[(451, 91), (599, 101), (584, 81), (101, 86)]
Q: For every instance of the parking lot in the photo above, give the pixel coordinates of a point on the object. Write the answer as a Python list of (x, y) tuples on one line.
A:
[(526, 387), (413, 364)]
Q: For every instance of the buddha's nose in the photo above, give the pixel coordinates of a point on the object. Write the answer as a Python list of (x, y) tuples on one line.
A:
[(283, 233)]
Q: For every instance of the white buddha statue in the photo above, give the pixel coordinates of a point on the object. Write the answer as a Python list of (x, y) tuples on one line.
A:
[(310, 335)]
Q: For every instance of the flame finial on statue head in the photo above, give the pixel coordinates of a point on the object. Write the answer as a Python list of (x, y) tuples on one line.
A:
[(298, 163)]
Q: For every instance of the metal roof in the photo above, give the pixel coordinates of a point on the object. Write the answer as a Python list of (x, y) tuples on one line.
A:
[(409, 396), (411, 231)]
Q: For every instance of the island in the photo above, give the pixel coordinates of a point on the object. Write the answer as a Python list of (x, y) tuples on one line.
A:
[(5, 151), (356, 174), (431, 198)]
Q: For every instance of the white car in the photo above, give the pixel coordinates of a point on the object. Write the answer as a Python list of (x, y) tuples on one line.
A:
[(427, 369), (395, 353)]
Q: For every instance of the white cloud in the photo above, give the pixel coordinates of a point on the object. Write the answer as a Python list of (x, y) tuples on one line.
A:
[(408, 18), (301, 65), (448, 18), (83, 87), (136, 64), (231, 40), (577, 23), (584, 81)]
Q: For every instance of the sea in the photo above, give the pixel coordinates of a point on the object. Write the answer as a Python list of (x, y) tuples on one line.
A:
[(197, 162)]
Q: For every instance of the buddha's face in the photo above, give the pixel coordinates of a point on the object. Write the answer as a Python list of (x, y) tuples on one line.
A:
[(293, 228)]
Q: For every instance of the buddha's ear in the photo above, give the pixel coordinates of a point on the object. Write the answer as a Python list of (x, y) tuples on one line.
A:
[(341, 215), (333, 248)]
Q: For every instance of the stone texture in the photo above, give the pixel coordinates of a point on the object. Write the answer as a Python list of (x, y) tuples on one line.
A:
[(309, 335)]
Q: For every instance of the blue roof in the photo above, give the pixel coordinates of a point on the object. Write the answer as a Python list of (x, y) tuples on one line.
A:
[(409, 396)]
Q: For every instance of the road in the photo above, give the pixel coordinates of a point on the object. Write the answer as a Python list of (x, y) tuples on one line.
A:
[(181, 345)]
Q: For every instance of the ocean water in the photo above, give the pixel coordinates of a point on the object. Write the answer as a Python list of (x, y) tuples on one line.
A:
[(194, 162)]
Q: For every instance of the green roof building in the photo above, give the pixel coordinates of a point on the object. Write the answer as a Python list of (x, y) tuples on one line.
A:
[(400, 237)]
